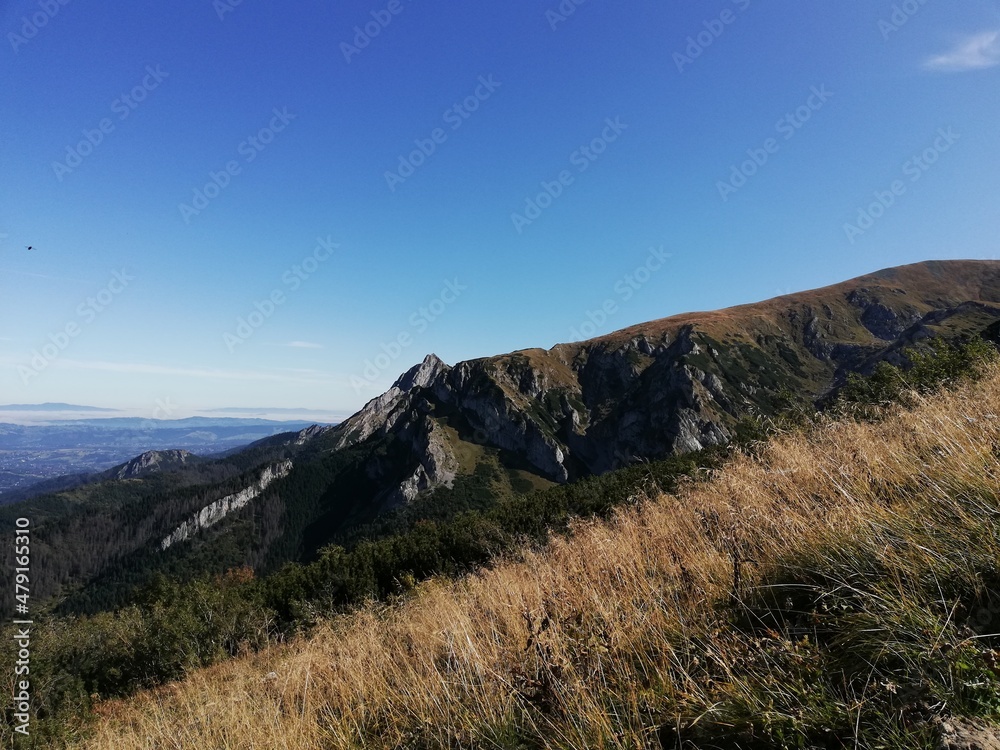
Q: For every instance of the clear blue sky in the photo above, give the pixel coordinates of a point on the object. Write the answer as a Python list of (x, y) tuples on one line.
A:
[(669, 98)]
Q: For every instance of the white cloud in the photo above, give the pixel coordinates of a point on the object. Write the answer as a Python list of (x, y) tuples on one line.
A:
[(971, 53), (134, 368), (299, 370), (303, 345), (46, 276)]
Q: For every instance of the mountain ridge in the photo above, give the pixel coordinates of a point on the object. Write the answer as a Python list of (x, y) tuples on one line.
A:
[(50, 406), (530, 418), (685, 380)]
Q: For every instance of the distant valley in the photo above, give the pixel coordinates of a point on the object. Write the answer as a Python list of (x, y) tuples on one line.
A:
[(33, 453)]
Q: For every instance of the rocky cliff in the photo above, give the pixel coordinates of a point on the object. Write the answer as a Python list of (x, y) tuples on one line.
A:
[(214, 512), (672, 385), (150, 463)]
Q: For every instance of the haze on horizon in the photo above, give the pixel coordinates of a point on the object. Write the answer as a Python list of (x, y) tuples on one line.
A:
[(231, 203)]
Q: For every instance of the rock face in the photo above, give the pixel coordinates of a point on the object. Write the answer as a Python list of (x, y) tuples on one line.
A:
[(150, 463), (213, 513), (669, 386), (436, 463), (968, 734)]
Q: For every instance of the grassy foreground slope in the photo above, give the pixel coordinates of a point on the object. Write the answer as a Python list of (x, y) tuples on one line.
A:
[(841, 589)]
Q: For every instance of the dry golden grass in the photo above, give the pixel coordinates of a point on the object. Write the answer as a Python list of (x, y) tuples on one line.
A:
[(587, 643)]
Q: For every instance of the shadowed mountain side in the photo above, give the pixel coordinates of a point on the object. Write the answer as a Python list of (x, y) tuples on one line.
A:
[(671, 385)]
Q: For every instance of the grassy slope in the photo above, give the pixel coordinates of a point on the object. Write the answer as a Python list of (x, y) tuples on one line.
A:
[(921, 286), (839, 591)]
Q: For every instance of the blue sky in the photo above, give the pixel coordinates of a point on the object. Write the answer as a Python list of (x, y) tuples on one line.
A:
[(249, 205)]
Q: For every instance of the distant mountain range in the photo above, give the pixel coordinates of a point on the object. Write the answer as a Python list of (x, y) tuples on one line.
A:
[(52, 407), (140, 423), (55, 409), (57, 454), (510, 423), (274, 410)]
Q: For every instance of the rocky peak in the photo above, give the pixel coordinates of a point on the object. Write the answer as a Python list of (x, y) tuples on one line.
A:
[(383, 413), (422, 375), (151, 462), (661, 388)]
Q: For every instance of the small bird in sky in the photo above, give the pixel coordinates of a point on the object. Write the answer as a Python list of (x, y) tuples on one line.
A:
[(30, 247)]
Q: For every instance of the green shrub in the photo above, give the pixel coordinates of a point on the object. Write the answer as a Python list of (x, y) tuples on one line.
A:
[(936, 366)]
